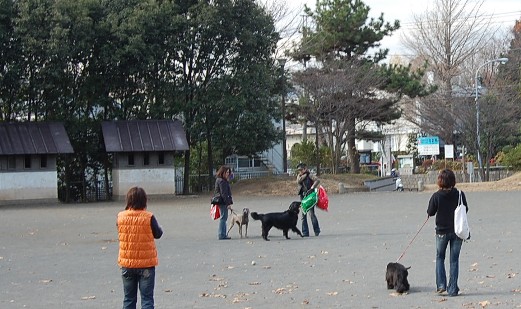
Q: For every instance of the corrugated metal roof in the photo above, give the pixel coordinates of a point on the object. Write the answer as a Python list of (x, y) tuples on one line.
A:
[(144, 135), (17, 138)]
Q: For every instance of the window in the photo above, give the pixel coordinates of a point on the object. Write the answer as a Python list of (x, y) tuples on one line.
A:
[(244, 162), (11, 163), (131, 159), (146, 159), (27, 161), (161, 158), (43, 161)]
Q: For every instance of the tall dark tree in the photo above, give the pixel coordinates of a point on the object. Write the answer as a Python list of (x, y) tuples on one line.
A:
[(10, 73), (226, 76), (206, 62)]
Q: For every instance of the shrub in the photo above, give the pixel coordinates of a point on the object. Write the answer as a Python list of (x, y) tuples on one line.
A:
[(512, 158)]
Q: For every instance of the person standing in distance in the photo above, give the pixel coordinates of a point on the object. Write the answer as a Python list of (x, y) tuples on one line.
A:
[(443, 203), (137, 231), (222, 188), (307, 183)]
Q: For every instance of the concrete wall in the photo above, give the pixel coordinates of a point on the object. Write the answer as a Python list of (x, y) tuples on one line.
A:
[(155, 181), (30, 185), (411, 181)]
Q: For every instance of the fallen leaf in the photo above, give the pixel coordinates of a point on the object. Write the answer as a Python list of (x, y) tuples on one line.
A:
[(46, 281), (281, 291), (88, 297), (204, 294), (219, 295), (332, 293), (484, 303), (254, 283)]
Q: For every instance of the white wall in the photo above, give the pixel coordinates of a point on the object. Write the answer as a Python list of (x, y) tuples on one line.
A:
[(28, 185), (155, 181)]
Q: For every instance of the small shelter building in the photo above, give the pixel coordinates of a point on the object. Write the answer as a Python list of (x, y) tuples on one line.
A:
[(143, 154), (28, 153)]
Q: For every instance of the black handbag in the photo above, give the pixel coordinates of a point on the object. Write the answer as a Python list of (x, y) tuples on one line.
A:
[(217, 199)]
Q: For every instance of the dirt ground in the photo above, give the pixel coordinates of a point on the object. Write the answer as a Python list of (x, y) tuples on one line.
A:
[(286, 185)]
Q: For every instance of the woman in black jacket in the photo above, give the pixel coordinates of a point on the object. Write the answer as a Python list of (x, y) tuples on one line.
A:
[(443, 203), (223, 189)]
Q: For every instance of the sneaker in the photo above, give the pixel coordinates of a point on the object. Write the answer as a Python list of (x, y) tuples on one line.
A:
[(224, 238), (316, 234), (440, 290)]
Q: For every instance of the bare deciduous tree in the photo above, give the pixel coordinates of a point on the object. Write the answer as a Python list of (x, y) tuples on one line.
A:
[(337, 91), (448, 35), (287, 22)]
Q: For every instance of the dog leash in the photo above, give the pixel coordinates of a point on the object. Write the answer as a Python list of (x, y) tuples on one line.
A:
[(412, 240)]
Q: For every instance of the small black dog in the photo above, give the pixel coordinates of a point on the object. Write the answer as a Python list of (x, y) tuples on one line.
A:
[(396, 277), (284, 221)]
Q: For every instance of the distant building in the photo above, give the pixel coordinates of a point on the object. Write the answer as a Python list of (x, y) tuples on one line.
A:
[(144, 154), (28, 153)]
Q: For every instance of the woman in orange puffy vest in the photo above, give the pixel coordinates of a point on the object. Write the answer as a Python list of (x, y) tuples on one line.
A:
[(137, 229)]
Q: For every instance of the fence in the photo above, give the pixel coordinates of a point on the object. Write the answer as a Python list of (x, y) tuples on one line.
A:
[(411, 181), (200, 183), (78, 191)]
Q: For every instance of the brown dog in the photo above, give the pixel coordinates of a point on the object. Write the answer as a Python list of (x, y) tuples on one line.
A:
[(241, 219)]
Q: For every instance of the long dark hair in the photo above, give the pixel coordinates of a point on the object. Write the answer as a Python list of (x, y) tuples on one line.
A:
[(222, 170)]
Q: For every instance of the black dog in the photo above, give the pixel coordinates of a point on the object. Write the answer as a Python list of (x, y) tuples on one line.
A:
[(284, 221), (396, 277)]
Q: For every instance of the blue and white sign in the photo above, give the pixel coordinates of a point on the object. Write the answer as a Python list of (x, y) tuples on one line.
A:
[(428, 146)]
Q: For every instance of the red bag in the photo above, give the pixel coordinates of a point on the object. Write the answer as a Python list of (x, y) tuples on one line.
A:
[(323, 200), (215, 212)]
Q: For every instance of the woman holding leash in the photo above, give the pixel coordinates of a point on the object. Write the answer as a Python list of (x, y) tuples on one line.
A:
[(223, 189), (307, 182), (443, 203)]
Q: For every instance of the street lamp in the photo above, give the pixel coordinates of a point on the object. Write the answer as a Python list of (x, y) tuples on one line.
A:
[(282, 62), (480, 162)]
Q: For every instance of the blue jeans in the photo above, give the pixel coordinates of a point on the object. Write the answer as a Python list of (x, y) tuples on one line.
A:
[(454, 242), (221, 233), (144, 278), (314, 222)]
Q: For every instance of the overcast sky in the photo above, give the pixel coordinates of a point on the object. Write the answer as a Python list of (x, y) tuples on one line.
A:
[(505, 13)]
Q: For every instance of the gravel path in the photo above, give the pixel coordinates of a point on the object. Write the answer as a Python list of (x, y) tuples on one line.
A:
[(64, 256)]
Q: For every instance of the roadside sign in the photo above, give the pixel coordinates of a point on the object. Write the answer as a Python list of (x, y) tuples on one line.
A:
[(449, 151), (428, 146)]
